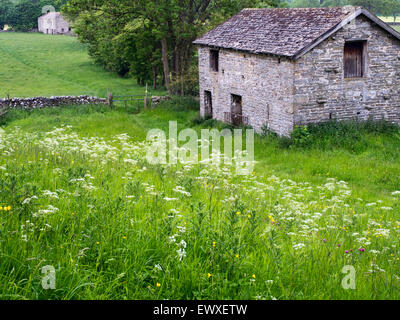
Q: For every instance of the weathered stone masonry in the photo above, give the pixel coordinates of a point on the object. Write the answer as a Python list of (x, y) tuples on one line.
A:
[(43, 102), (321, 92), (265, 84), (54, 23), (282, 92)]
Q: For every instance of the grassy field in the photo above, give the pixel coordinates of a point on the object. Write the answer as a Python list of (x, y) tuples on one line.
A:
[(34, 64), (391, 19), (77, 194), (83, 199)]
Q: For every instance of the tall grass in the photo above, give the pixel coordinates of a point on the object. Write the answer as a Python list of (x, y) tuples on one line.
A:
[(84, 200)]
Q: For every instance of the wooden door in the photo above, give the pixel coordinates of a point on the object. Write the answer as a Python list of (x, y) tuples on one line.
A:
[(354, 60)]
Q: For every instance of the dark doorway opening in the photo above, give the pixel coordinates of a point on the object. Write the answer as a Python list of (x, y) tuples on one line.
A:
[(236, 110), (208, 106)]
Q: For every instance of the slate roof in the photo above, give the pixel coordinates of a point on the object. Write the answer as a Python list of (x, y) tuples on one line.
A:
[(283, 32)]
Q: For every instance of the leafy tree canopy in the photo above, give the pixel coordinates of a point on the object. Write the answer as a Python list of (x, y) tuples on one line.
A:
[(22, 15), (151, 39)]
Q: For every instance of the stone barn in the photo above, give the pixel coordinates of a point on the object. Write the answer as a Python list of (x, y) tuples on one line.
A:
[(279, 68), (54, 23)]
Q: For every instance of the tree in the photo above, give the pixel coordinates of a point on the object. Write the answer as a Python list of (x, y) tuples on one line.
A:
[(374, 6), (24, 14), (305, 3), (390, 8), (144, 38), (334, 3), (6, 11)]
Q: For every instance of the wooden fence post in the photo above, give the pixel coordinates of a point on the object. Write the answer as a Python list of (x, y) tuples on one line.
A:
[(145, 99), (109, 98)]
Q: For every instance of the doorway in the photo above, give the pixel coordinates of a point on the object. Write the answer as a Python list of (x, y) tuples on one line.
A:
[(236, 110), (208, 107)]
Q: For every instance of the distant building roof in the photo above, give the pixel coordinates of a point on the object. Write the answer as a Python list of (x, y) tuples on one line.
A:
[(283, 32)]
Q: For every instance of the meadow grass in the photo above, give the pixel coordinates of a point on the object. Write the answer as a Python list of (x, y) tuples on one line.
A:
[(391, 19), (35, 64), (388, 19), (83, 199)]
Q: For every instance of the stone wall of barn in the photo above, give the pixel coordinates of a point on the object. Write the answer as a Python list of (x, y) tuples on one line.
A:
[(265, 84), (321, 92), (53, 23)]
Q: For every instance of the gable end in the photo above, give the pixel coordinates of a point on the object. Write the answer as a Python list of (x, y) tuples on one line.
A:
[(347, 20)]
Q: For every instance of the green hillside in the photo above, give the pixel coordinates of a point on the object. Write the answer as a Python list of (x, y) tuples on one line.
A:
[(34, 64)]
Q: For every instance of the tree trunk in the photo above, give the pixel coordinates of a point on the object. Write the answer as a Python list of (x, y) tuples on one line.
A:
[(164, 50), (155, 76), (178, 70), (182, 85), (173, 64)]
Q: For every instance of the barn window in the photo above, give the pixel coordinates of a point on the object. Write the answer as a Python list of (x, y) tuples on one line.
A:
[(214, 60), (354, 59)]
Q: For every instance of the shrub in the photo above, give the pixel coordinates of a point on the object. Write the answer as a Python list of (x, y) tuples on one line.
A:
[(353, 136), (180, 103), (266, 132), (301, 136), (190, 83)]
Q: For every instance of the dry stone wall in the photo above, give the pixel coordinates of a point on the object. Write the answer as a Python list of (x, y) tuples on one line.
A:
[(42, 102)]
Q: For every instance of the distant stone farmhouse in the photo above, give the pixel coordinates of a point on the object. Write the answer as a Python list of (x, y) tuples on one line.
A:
[(285, 67), (53, 23)]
